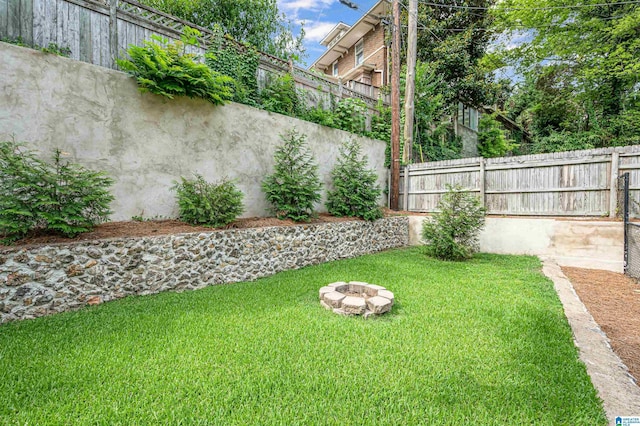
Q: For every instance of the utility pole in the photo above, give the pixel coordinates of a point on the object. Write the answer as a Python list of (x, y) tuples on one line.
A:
[(395, 109), (409, 94)]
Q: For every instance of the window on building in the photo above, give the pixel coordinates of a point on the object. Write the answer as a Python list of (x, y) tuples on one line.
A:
[(468, 116), (359, 53), (334, 69)]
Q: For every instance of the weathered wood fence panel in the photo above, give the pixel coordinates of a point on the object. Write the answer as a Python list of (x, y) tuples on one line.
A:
[(575, 183), (99, 31)]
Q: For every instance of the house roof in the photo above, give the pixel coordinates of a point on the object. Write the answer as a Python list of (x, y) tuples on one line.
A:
[(334, 32), (353, 34)]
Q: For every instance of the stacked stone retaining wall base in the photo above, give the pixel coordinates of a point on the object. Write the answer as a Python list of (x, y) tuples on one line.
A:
[(48, 279)]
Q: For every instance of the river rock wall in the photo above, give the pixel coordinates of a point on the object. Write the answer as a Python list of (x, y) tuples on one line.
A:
[(55, 278)]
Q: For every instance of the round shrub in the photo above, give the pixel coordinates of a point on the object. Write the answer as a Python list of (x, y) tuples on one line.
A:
[(452, 233), (209, 204)]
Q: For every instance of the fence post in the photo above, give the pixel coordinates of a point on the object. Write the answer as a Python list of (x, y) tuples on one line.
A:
[(482, 182), (405, 190), (625, 218), (113, 32), (613, 189)]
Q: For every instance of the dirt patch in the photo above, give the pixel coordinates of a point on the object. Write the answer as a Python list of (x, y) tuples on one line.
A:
[(614, 302)]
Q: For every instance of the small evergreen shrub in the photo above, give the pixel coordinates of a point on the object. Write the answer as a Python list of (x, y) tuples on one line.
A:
[(452, 234), (62, 198), (356, 191), (209, 204), (166, 69), (294, 187), (20, 183)]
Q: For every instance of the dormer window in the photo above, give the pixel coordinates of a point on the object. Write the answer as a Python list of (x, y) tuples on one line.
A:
[(334, 69), (359, 53)]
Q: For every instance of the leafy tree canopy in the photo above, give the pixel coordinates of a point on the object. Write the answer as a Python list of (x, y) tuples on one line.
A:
[(257, 22), (452, 40), (581, 67)]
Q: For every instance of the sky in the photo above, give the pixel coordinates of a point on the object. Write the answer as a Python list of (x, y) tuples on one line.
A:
[(318, 18)]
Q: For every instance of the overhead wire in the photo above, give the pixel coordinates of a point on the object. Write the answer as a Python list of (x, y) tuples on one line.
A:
[(579, 6), (422, 26)]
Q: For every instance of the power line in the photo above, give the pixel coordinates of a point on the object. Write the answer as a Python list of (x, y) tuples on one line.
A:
[(515, 26), (420, 24), (450, 6)]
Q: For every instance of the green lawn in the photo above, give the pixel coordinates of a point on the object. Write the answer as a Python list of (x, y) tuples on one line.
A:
[(480, 342)]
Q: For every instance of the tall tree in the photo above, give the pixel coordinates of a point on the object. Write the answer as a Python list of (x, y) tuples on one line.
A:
[(581, 60), (258, 22), (452, 38)]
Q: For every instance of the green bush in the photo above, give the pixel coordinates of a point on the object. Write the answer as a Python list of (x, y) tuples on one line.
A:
[(281, 96), (320, 116), (492, 141), (351, 115), (452, 234), (238, 61), (294, 187), (208, 204), (166, 69), (356, 191), (62, 198)]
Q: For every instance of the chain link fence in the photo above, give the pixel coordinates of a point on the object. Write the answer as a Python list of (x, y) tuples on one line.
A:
[(632, 252), (631, 232)]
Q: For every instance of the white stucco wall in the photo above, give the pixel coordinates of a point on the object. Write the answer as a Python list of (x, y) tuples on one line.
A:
[(144, 141), (584, 243)]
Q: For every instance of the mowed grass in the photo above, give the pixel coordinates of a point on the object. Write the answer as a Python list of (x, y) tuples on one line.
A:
[(480, 342)]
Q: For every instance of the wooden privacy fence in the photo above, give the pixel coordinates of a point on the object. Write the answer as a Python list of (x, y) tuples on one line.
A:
[(574, 183), (98, 32)]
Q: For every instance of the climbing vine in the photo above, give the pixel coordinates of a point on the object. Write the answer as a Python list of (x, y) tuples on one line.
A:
[(239, 61)]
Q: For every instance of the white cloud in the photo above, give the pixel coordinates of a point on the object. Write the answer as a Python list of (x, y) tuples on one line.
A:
[(509, 41), (316, 31), (293, 8)]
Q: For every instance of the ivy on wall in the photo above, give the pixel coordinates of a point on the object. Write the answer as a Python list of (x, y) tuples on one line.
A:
[(230, 72), (239, 61)]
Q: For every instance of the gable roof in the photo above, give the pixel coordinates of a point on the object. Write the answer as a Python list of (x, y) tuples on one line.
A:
[(353, 34)]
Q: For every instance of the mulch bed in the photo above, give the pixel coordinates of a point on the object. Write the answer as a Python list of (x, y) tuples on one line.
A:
[(162, 227), (614, 302)]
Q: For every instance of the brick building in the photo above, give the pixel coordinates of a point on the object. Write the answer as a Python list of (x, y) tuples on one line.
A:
[(357, 55)]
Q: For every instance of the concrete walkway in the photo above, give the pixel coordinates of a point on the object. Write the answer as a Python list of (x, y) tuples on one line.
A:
[(608, 373)]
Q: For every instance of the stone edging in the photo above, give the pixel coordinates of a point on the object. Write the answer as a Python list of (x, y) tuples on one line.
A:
[(356, 298), (610, 377), (55, 278)]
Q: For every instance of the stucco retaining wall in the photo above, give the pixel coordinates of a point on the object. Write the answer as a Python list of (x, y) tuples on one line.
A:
[(583, 243), (145, 142), (55, 278)]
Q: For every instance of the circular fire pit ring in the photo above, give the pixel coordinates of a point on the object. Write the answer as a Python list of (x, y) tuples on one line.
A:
[(356, 298)]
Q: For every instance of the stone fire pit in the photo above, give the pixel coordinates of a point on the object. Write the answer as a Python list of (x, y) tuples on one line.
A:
[(356, 298)]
